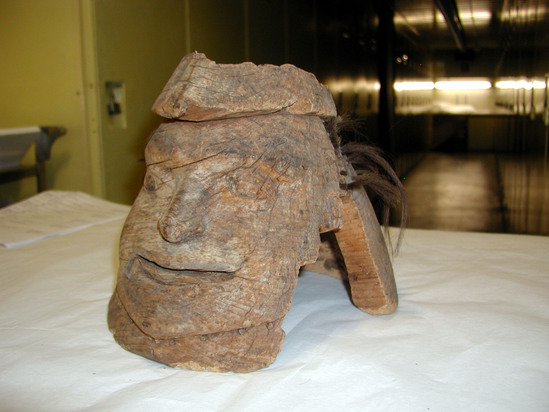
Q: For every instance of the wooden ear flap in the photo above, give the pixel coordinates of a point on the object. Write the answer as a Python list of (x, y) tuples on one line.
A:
[(369, 268)]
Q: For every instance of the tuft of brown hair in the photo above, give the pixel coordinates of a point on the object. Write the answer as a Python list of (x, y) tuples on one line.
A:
[(373, 172)]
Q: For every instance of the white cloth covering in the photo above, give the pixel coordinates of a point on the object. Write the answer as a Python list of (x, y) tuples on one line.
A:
[(471, 333)]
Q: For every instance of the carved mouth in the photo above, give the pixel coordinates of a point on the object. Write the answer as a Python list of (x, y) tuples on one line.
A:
[(172, 276)]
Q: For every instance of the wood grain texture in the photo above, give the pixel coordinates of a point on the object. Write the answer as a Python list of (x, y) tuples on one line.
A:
[(240, 350), (369, 268), (200, 89)]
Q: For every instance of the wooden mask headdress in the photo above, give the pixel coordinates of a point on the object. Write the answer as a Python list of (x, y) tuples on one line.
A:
[(238, 188)]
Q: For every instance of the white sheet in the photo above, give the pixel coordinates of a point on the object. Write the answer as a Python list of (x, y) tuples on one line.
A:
[(54, 213), (471, 333)]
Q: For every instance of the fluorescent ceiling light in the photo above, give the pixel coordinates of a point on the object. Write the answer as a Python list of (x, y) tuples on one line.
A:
[(525, 14), (338, 86), (399, 86), (427, 17), (463, 85), (479, 18), (363, 84), (349, 85), (415, 18), (520, 84)]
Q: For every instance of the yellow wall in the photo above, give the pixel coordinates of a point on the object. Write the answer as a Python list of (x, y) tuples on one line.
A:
[(58, 55), (139, 43), (41, 84)]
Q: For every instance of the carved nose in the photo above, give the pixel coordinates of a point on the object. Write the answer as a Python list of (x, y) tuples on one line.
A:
[(183, 220)]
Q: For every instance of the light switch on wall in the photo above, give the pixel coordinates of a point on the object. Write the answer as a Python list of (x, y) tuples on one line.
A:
[(115, 93)]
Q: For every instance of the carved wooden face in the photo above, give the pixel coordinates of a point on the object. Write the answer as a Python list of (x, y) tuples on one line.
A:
[(228, 212)]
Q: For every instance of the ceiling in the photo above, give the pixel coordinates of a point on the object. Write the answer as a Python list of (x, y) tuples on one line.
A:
[(483, 37), (487, 38), (484, 23)]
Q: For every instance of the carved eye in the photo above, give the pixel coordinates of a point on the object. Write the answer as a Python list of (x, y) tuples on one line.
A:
[(151, 182), (256, 191), (249, 186)]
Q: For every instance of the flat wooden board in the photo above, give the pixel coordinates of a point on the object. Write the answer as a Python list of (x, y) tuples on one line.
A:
[(369, 268)]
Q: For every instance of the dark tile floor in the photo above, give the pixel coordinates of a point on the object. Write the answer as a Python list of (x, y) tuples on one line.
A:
[(525, 183), (457, 192)]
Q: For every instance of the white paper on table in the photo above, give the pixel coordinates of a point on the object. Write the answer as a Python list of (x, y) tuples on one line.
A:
[(53, 213)]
